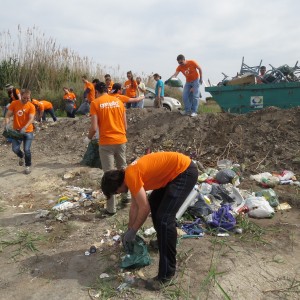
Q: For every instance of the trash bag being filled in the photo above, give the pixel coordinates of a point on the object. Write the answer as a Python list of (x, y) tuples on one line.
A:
[(91, 157), (137, 256)]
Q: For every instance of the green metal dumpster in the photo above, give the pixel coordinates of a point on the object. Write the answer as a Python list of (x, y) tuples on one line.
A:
[(246, 98)]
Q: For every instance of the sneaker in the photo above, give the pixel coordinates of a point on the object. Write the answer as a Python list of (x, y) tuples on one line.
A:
[(27, 170), (156, 284), (193, 114), (108, 213), (184, 113), (21, 161)]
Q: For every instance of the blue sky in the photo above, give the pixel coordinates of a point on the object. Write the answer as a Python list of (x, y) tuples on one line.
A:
[(146, 36)]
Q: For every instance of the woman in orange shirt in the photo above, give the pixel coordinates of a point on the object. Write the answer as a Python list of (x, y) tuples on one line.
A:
[(130, 87)]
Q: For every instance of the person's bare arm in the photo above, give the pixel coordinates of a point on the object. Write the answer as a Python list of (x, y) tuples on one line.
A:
[(174, 75), (200, 73), (30, 121), (137, 99), (8, 115), (142, 210)]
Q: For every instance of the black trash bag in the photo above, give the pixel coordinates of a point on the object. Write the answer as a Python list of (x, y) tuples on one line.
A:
[(220, 193), (70, 106), (200, 208), (138, 256), (225, 176), (14, 134), (91, 157), (83, 109)]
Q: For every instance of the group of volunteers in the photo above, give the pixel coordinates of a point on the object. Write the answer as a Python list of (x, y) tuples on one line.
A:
[(169, 175)]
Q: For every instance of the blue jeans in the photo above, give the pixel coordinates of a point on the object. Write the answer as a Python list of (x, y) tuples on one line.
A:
[(51, 113), (140, 104), (164, 204), (191, 99), (16, 145)]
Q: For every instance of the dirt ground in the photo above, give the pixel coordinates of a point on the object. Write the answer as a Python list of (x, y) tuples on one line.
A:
[(44, 258)]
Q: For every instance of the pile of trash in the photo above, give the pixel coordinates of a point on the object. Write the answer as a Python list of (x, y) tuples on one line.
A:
[(216, 201), (73, 198), (250, 75)]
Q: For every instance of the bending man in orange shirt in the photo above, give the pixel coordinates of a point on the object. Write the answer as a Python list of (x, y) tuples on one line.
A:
[(23, 112), (108, 114), (42, 107), (191, 91), (171, 176)]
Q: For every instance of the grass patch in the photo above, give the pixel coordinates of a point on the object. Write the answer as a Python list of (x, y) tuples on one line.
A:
[(209, 107), (23, 242), (2, 209)]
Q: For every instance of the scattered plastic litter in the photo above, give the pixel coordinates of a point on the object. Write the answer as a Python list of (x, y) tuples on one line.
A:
[(259, 207), (103, 275), (149, 231), (283, 206)]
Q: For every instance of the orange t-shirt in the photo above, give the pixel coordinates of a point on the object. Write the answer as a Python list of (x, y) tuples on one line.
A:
[(130, 87), (38, 105), (189, 70), (47, 104), (73, 96), (91, 94), (110, 112), (123, 98), (155, 170), (21, 114)]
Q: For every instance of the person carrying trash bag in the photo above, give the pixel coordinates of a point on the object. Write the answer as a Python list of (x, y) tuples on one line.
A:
[(23, 112), (70, 105), (171, 176)]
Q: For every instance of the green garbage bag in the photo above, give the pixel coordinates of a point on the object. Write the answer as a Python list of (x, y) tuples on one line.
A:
[(14, 134), (138, 257), (91, 157), (174, 82)]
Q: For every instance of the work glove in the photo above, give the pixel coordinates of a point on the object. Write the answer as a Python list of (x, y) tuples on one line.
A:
[(86, 140), (128, 239), (6, 127), (23, 130), (200, 81)]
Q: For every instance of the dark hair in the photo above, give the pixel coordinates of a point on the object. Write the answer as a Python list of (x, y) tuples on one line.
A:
[(101, 87), (263, 67), (107, 76), (111, 181), (84, 77), (95, 80), (116, 87), (157, 75), (180, 57)]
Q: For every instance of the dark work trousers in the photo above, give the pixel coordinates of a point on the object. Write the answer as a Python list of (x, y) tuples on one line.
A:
[(164, 204)]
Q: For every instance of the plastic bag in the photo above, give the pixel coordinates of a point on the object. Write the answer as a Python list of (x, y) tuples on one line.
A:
[(91, 157), (259, 207), (138, 257), (70, 106), (200, 208), (225, 176), (270, 196), (223, 219), (84, 108), (14, 134)]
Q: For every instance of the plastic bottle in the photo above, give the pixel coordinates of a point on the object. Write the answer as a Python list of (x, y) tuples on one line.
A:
[(190, 200)]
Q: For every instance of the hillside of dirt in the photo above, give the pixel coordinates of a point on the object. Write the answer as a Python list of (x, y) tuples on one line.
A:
[(44, 257)]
